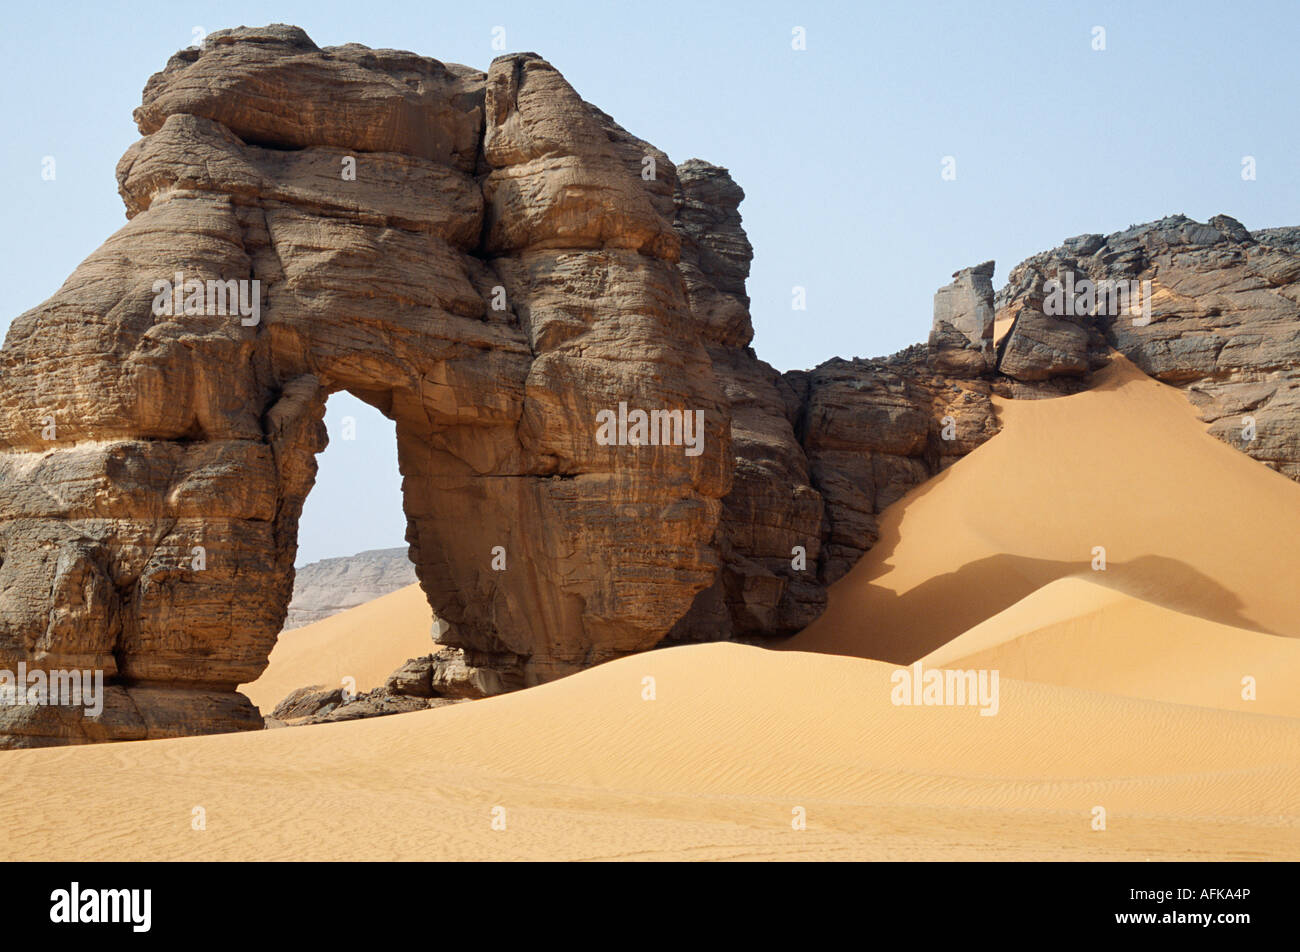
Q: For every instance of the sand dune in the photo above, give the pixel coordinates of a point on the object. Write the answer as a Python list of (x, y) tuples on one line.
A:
[(1186, 522), (367, 643), (714, 767), (1077, 633)]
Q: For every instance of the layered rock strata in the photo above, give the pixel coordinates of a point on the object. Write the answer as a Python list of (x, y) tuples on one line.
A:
[(330, 586)]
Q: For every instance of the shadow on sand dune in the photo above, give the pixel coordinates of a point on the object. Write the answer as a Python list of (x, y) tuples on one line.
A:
[(867, 620)]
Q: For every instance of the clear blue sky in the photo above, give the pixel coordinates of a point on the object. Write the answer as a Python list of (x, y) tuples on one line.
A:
[(838, 147)]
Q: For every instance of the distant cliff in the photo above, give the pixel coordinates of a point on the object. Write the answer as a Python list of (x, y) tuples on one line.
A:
[(330, 586)]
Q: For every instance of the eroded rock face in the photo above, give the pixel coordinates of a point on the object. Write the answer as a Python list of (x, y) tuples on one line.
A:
[(873, 430), (495, 274), (320, 705), (1039, 347), (961, 337), (772, 512), (1223, 321)]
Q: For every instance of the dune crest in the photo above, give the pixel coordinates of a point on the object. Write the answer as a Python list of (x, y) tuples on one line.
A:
[(1077, 633)]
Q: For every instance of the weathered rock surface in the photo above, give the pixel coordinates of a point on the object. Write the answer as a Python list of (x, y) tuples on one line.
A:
[(771, 510), (434, 680), (961, 338), (317, 705), (874, 429), (1225, 325), (330, 586), (496, 273), (1224, 320), (1039, 347), (443, 674)]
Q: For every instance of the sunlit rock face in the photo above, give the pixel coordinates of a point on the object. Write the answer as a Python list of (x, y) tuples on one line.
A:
[(479, 256)]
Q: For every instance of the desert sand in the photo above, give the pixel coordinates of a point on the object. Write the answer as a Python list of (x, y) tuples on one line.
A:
[(366, 643), (1001, 328), (1077, 633), (714, 767), (987, 565)]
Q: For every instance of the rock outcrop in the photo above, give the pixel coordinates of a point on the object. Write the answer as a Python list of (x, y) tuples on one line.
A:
[(318, 705), (486, 258), (434, 680), (961, 338), (772, 512), (1039, 347), (1211, 308), (443, 674), (330, 586), (594, 459), (478, 256), (874, 429), (1223, 323)]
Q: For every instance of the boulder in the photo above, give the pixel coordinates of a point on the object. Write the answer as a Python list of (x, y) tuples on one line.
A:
[(1039, 347), (961, 336)]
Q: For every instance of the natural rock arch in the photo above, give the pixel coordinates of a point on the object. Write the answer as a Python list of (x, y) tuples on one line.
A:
[(154, 467)]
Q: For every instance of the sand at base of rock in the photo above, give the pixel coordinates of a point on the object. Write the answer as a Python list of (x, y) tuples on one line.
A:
[(366, 643), (735, 743)]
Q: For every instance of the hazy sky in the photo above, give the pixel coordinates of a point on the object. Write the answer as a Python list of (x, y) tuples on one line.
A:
[(839, 147)]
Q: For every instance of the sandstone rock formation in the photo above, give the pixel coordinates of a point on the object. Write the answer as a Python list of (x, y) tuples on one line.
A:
[(476, 255), (961, 338), (1224, 325), (872, 430), (330, 586), (771, 510), (442, 674), (431, 681), (1039, 347), (1224, 320), (512, 277)]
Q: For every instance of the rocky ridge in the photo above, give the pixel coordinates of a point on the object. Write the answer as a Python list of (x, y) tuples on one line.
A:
[(327, 587), (1223, 321)]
